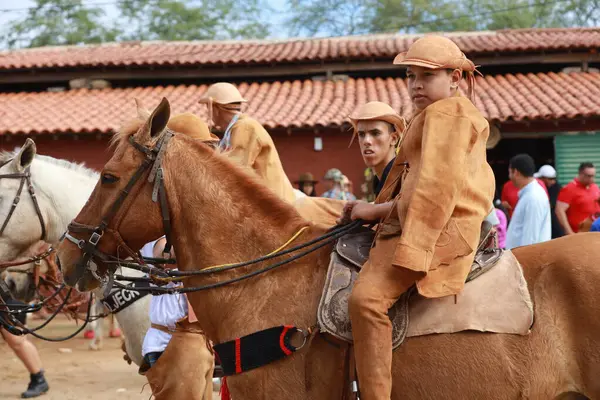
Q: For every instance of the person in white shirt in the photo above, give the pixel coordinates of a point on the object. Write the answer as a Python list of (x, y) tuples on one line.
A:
[(178, 360), (530, 222), (165, 310)]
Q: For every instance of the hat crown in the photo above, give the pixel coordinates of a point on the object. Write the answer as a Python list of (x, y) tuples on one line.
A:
[(223, 93), (434, 51), (306, 177), (191, 125), (546, 171), (334, 174), (438, 49), (372, 110)]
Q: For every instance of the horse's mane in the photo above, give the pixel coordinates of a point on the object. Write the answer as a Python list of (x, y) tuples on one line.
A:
[(218, 160), (253, 187), (78, 168), (128, 128)]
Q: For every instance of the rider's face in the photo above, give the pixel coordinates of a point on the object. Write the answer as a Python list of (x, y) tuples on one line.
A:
[(426, 85), (377, 140)]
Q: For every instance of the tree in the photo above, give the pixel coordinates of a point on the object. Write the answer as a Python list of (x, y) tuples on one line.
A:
[(315, 17), (334, 17), (177, 20), (63, 22), (58, 22)]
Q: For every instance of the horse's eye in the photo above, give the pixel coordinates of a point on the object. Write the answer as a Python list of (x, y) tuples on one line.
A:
[(107, 179)]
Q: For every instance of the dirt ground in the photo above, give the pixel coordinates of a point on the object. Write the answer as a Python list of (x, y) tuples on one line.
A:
[(73, 371)]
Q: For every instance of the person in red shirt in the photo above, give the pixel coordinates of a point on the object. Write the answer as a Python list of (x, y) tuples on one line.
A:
[(510, 195), (578, 200)]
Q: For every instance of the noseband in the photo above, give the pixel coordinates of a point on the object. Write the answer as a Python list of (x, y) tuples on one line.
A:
[(25, 177), (89, 247)]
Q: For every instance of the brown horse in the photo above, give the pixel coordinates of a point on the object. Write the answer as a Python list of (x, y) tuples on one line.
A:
[(221, 214)]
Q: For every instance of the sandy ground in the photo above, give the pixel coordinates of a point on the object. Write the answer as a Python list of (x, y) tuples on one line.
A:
[(73, 371)]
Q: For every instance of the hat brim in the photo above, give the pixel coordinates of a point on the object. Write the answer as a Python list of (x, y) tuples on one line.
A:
[(461, 64), (401, 59), (206, 100)]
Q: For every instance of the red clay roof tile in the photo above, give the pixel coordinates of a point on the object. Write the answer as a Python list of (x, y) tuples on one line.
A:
[(290, 50), (295, 104)]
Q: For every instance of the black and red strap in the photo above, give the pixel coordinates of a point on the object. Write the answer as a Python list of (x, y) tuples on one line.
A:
[(256, 350)]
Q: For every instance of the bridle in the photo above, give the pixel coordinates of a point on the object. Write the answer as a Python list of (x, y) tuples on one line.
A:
[(89, 247), (109, 224), (45, 284), (24, 177)]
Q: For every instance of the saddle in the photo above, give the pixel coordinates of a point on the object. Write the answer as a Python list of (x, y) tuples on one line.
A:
[(349, 255)]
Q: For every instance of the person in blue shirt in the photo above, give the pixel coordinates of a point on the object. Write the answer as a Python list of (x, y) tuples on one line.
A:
[(596, 225), (530, 222)]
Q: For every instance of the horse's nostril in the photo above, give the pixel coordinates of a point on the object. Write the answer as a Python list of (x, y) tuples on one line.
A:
[(57, 260)]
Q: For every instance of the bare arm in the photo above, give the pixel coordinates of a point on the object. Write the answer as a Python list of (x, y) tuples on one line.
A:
[(354, 210), (561, 214)]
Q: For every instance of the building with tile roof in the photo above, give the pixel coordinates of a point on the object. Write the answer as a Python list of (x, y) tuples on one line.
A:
[(537, 84)]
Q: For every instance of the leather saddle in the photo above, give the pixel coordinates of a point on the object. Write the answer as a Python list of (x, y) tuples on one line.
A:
[(349, 255)]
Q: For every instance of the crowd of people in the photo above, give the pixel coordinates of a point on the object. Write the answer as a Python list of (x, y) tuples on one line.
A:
[(534, 208), (336, 185)]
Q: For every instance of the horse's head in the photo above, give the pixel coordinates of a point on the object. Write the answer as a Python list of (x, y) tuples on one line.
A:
[(120, 215), (19, 220), (22, 279)]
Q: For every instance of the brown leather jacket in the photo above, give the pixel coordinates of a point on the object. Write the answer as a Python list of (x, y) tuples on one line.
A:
[(252, 146), (446, 192)]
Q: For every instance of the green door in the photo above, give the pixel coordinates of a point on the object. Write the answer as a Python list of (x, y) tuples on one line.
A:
[(572, 150)]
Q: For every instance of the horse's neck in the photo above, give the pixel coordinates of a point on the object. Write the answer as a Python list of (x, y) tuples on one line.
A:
[(221, 216), (65, 191), (134, 320)]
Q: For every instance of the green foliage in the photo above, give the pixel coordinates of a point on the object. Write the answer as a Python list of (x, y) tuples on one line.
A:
[(63, 22), (209, 19), (338, 17), (58, 22)]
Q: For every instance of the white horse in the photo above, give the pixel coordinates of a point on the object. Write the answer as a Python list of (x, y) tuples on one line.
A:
[(61, 190)]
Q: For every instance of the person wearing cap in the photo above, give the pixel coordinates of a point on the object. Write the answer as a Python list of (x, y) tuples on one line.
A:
[(174, 349), (547, 175), (306, 184), (244, 139), (333, 183), (430, 210), (378, 128)]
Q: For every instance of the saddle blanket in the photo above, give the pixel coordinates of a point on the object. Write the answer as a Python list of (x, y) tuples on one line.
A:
[(495, 301)]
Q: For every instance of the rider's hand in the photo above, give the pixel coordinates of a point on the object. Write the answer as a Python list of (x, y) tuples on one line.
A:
[(345, 218), (365, 211)]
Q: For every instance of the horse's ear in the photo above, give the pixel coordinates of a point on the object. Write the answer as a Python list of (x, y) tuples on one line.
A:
[(157, 122), (25, 156), (142, 111)]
